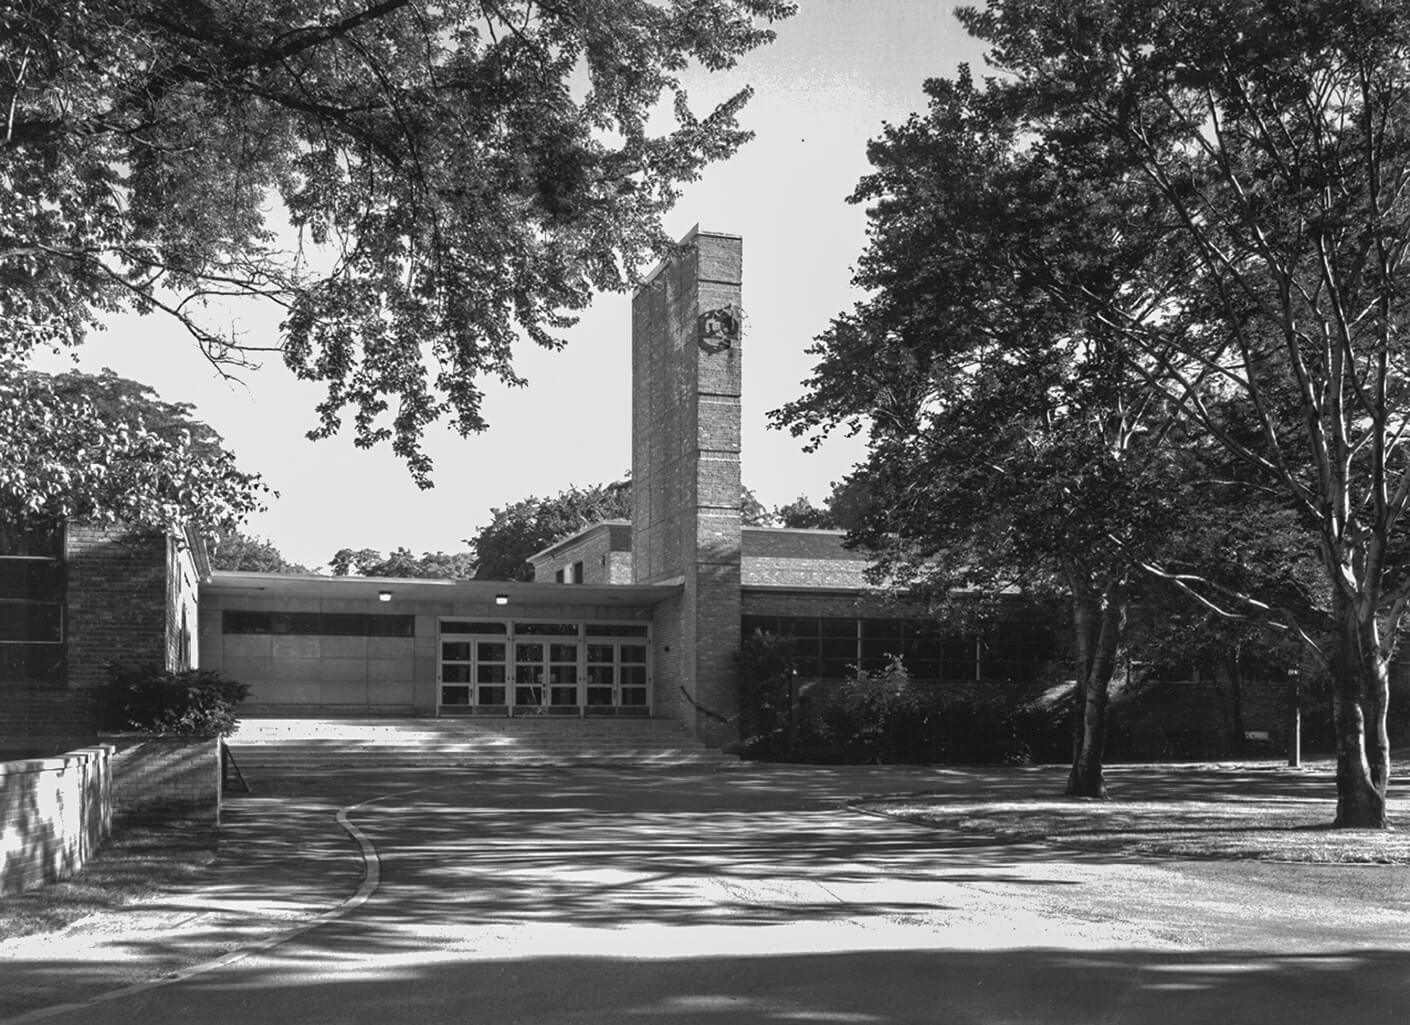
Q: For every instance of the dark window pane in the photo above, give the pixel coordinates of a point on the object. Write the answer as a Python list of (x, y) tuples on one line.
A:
[(26, 663), (563, 653), (545, 629), (617, 630), (802, 628), (32, 580), (882, 630), (36, 541), (391, 626), (466, 626), (455, 674), (749, 624), (837, 628), (837, 668), (333, 624), (29, 621), (455, 651), (455, 695), (237, 622)]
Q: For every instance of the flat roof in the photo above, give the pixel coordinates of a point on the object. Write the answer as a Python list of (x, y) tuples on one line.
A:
[(521, 593)]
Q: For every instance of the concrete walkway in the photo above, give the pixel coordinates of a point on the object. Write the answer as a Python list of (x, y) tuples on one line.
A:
[(688, 896)]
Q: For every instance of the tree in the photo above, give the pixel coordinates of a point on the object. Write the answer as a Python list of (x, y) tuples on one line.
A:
[(1012, 445), (802, 514), (101, 447), (453, 174), (845, 507), (367, 562), (1266, 148), (232, 549), (502, 547)]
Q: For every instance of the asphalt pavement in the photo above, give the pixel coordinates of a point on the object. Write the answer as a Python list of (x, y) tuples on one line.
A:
[(692, 896)]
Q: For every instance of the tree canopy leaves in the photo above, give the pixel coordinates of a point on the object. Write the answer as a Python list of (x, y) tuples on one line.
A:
[(101, 447), (452, 175)]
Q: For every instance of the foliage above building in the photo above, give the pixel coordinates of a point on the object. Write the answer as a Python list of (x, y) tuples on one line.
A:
[(450, 177), (101, 447)]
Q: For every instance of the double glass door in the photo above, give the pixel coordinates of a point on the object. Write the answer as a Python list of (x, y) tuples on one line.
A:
[(528, 668)]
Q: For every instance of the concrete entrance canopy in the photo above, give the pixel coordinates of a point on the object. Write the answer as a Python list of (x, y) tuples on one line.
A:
[(372, 645)]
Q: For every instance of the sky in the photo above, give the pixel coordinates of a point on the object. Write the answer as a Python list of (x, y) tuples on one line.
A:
[(838, 70)]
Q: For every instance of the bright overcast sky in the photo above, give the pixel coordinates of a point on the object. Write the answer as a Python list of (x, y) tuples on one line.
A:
[(837, 71)]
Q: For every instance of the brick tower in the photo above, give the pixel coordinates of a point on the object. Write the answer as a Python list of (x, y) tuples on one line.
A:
[(686, 333)]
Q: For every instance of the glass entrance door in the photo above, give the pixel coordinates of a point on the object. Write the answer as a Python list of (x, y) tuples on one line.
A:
[(474, 668), (524, 667), (616, 678)]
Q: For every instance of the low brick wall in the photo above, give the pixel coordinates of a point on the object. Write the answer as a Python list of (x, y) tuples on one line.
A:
[(54, 814), (159, 777)]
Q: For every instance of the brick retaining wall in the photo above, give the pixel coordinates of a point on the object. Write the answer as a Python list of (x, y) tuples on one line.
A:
[(160, 777), (54, 814)]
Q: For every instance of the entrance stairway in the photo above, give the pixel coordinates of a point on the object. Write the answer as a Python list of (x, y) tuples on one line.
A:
[(291, 745)]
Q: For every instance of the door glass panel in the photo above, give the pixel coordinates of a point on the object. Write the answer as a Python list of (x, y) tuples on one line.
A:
[(455, 651), (563, 675)]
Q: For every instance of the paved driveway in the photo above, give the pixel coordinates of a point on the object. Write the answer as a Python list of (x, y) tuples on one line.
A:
[(756, 895)]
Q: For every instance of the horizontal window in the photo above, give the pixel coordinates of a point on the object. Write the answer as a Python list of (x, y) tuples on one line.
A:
[(39, 580), (468, 626), (545, 629), (323, 624), (32, 663), (30, 621), (617, 630), (46, 542)]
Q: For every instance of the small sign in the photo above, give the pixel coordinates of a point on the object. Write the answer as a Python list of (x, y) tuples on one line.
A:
[(1255, 734)]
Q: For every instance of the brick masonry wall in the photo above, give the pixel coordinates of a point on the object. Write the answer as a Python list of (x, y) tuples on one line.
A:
[(832, 606), (685, 467), (592, 549), (117, 600), (160, 777), (772, 571), (54, 815)]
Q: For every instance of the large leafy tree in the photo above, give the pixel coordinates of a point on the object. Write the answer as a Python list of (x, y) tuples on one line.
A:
[(1268, 146), (101, 447), (1011, 444), (416, 184)]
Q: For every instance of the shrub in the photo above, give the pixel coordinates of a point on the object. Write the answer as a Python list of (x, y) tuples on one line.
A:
[(148, 699), (765, 694)]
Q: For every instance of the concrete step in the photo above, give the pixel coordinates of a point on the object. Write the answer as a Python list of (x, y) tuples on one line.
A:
[(293, 744)]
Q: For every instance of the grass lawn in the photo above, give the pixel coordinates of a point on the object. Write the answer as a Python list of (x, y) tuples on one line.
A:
[(136, 863), (1263, 813)]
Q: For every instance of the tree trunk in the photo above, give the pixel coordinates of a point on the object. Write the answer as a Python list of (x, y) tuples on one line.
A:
[(1098, 622), (1360, 693), (1233, 666)]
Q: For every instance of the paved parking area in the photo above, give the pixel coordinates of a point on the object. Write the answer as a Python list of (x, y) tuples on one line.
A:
[(692, 896)]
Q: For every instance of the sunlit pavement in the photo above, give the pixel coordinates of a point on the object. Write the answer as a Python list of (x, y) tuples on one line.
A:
[(756, 895)]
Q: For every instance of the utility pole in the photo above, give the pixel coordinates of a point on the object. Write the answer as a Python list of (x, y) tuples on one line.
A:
[(1294, 718)]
